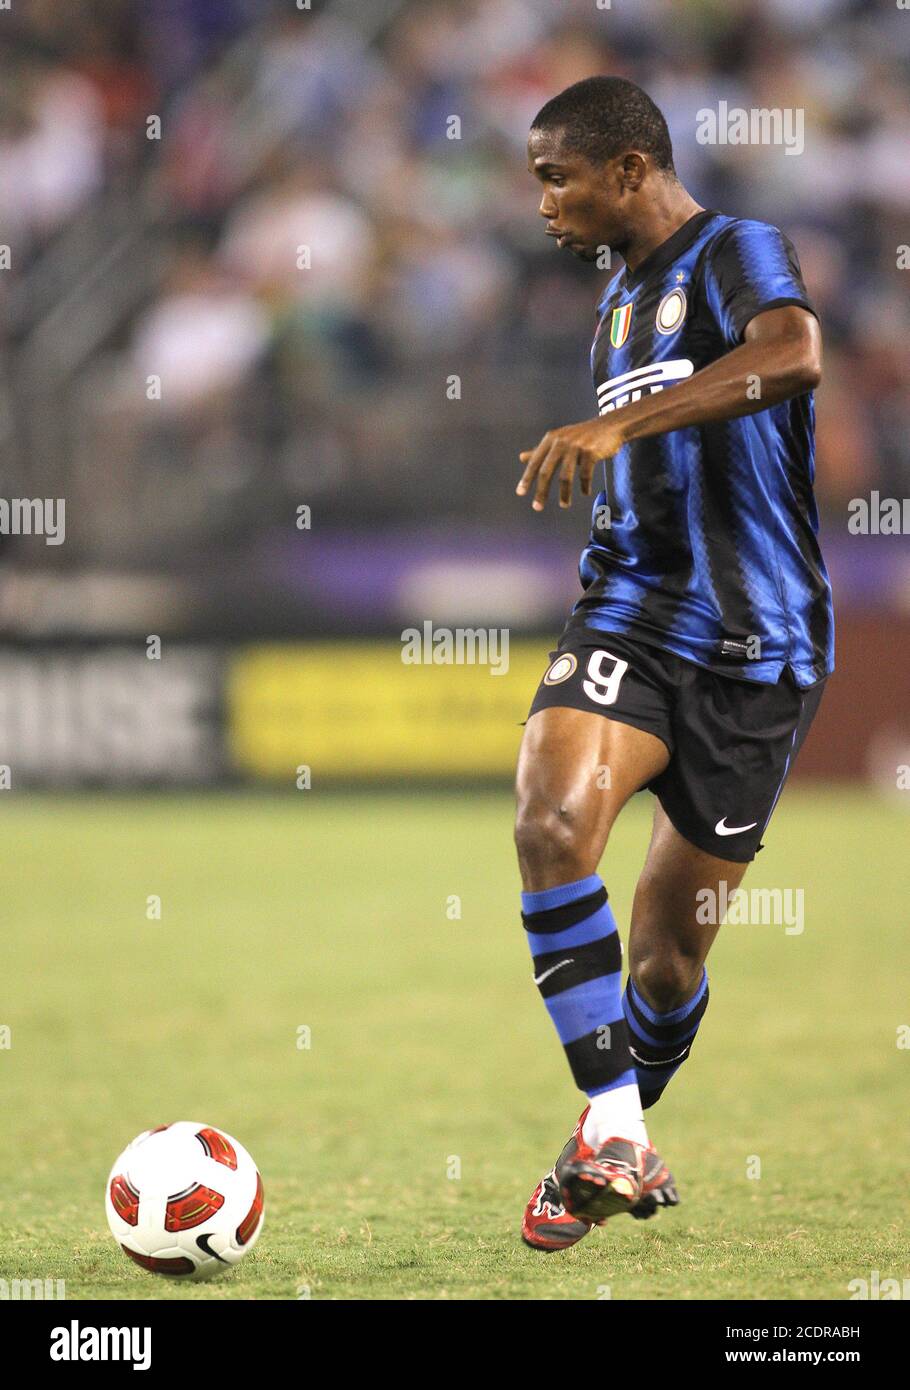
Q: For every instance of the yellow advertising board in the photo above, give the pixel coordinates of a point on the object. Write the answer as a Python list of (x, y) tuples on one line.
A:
[(355, 709)]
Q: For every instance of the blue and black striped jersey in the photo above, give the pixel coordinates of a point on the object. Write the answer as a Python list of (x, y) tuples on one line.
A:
[(704, 540)]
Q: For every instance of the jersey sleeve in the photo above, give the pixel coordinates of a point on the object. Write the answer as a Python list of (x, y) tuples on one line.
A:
[(752, 267)]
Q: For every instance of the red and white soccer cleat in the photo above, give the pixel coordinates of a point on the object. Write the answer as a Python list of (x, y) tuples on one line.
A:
[(583, 1189), (546, 1225)]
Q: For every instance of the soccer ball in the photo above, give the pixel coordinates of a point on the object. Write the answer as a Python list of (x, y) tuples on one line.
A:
[(185, 1200)]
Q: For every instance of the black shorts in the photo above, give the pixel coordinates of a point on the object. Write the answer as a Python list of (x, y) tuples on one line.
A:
[(732, 742)]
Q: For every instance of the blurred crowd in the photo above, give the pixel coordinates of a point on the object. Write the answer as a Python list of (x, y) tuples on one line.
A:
[(337, 220)]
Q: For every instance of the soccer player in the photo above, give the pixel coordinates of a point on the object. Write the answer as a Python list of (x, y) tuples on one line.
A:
[(695, 659)]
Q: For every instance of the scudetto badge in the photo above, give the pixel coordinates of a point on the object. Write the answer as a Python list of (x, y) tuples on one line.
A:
[(619, 324), (561, 669), (671, 311)]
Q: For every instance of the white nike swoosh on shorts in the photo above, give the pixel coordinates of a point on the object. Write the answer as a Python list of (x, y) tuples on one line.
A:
[(721, 828)]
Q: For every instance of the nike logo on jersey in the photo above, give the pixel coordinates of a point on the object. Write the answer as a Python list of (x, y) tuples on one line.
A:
[(539, 979), (631, 386), (721, 828)]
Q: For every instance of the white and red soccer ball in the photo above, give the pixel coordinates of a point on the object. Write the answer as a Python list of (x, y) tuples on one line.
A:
[(185, 1200)]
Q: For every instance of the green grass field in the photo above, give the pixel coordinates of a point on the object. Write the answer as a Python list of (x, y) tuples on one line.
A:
[(431, 1049)]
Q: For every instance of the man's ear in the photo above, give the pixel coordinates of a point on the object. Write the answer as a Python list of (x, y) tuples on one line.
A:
[(634, 168)]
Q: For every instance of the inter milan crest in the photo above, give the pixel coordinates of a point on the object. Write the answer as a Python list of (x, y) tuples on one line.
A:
[(561, 669), (671, 311), (619, 325)]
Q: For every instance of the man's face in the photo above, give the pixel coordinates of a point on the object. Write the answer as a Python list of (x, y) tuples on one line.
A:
[(583, 203)]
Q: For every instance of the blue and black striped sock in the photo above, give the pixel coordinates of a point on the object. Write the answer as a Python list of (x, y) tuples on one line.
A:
[(660, 1043), (578, 970)]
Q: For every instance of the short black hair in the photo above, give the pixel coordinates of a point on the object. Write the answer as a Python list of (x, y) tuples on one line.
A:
[(601, 117)]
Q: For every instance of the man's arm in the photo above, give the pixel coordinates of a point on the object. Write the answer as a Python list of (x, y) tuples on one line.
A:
[(780, 355)]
